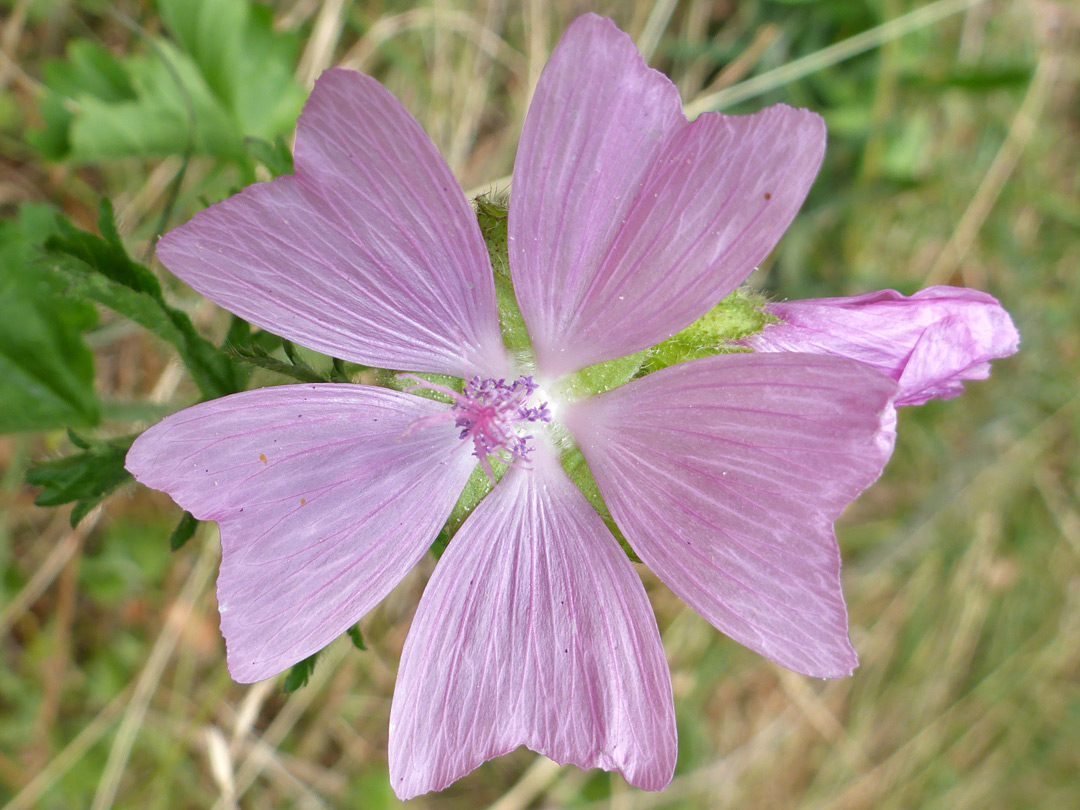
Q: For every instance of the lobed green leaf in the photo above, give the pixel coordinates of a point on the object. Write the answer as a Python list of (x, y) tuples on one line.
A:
[(84, 478), (46, 371)]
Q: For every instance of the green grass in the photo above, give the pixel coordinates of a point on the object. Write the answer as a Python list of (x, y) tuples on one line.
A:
[(952, 159)]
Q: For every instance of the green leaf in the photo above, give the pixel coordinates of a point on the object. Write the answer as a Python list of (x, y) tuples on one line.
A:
[(91, 69), (184, 531), (174, 111), (275, 156), (300, 673), (46, 371), (974, 79), (106, 253), (141, 107), (737, 316), (246, 64), (98, 268), (356, 638), (84, 478), (226, 75), (258, 357), (492, 215)]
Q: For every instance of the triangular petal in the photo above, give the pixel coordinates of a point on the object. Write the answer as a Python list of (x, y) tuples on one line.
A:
[(534, 630), (928, 342), (627, 223), (370, 252), (725, 475), (326, 496)]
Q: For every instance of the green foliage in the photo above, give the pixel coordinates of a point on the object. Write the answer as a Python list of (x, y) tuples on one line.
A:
[(300, 673), (259, 357), (740, 314), (247, 66), (262, 350), (84, 478), (98, 268), (275, 156), (184, 531), (89, 72), (124, 561), (46, 371), (225, 75), (492, 215), (356, 637)]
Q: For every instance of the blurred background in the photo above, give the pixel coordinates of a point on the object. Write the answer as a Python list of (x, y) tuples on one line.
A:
[(953, 154)]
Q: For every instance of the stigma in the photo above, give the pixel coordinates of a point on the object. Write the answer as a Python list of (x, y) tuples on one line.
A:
[(492, 413)]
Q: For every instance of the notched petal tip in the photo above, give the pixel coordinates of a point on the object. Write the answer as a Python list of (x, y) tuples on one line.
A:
[(725, 475), (369, 252), (322, 501), (627, 222), (534, 630)]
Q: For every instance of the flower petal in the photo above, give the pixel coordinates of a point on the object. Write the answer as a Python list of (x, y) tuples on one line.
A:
[(325, 500), (725, 475), (370, 252), (534, 630), (928, 342), (627, 223)]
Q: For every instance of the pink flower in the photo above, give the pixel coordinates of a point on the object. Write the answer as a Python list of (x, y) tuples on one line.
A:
[(928, 343), (725, 474)]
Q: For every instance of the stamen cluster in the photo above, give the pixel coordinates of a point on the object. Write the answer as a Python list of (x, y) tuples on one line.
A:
[(488, 412)]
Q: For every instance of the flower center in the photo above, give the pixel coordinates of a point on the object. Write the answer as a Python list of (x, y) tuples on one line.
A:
[(490, 412)]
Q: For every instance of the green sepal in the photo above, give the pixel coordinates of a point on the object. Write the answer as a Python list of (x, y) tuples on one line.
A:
[(601, 377), (575, 466), (338, 372), (300, 673), (492, 216), (739, 315), (476, 488)]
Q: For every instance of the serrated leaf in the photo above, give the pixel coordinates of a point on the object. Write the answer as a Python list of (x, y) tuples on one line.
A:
[(258, 357), (173, 112), (300, 673), (88, 71), (106, 253), (89, 68), (84, 478), (46, 371), (225, 75), (247, 65), (98, 268), (356, 637), (184, 531)]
